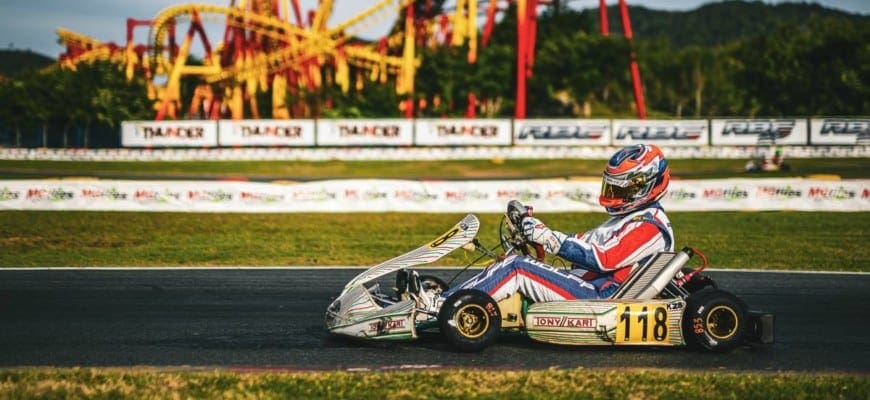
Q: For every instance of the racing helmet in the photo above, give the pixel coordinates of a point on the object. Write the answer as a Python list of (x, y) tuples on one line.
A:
[(634, 177)]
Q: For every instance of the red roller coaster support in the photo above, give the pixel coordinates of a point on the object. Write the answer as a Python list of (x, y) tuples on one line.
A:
[(520, 108), (526, 25), (490, 22), (532, 35), (409, 102), (635, 70)]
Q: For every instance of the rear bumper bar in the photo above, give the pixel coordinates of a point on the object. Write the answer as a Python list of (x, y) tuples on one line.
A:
[(761, 327)]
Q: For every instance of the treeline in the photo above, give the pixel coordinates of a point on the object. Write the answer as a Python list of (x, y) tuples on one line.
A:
[(724, 59), (64, 108), (729, 58)]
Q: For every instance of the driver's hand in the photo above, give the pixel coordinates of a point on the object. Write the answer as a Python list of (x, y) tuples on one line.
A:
[(537, 232), (532, 227)]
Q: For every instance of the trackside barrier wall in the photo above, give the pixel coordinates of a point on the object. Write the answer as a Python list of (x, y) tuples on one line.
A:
[(169, 134), (562, 132), (290, 133), (661, 132), (845, 131), (365, 132), (381, 195), (468, 132), (749, 132), (497, 132)]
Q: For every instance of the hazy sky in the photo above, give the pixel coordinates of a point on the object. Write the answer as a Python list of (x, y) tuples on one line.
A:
[(31, 24)]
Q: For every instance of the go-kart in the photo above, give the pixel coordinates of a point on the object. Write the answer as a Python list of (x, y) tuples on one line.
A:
[(662, 303)]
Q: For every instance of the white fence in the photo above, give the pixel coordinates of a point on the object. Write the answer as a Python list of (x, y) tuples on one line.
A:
[(378, 195), (498, 132)]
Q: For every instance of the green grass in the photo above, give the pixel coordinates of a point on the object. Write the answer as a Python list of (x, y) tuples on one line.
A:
[(847, 168), (143, 383), (758, 240), (748, 240)]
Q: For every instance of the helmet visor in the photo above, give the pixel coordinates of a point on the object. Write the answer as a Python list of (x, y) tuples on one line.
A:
[(612, 188)]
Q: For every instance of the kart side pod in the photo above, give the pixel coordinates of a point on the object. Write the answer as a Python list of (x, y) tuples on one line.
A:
[(607, 322)]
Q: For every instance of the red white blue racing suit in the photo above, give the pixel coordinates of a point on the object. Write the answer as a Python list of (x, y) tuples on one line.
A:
[(601, 259)]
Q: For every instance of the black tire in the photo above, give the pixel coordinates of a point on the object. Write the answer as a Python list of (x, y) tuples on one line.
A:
[(715, 320), (470, 320)]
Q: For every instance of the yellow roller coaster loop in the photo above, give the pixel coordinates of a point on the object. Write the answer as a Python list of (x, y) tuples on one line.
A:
[(252, 70), (266, 52)]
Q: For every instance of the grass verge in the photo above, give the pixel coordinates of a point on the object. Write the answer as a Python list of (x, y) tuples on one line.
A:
[(749, 240), (847, 168), (78, 383)]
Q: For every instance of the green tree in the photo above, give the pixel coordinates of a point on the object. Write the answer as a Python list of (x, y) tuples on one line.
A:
[(819, 68), (18, 109)]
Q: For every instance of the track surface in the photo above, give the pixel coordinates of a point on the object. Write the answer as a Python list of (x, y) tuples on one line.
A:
[(272, 318)]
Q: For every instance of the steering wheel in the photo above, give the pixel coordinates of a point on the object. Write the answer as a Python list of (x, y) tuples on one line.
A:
[(510, 231)]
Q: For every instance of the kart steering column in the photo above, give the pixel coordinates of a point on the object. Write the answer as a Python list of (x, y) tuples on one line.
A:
[(539, 249)]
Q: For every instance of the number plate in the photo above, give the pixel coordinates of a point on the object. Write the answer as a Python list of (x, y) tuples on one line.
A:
[(642, 323)]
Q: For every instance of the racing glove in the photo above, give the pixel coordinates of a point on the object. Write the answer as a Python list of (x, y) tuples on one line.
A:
[(537, 232)]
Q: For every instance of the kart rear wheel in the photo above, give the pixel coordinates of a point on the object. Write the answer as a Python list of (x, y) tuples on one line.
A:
[(470, 320), (715, 320)]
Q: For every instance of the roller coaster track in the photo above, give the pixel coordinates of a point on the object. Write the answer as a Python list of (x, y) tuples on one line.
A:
[(296, 44), (270, 48), (90, 49), (265, 51)]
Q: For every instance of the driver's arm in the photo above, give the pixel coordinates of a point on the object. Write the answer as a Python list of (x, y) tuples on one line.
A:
[(629, 245)]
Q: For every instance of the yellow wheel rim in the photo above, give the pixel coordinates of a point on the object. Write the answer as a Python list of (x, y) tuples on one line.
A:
[(472, 321), (722, 322)]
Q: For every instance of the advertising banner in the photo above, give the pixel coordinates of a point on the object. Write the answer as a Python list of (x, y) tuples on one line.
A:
[(265, 132), (365, 132), (197, 133), (764, 132), (840, 131), (562, 132), (768, 194), (456, 132), (386, 195), (661, 132)]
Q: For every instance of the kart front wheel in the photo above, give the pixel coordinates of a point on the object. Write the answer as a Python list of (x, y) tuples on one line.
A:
[(470, 320), (715, 320)]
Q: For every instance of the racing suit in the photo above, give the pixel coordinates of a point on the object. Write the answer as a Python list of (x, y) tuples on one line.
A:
[(601, 259)]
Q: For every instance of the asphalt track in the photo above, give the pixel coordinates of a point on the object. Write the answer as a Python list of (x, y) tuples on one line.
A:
[(273, 319)]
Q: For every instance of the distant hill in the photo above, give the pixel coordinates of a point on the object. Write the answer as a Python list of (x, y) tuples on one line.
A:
[(718, 23), (13, 62)]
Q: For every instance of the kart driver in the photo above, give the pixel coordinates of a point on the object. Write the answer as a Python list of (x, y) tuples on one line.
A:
[(635, 178)]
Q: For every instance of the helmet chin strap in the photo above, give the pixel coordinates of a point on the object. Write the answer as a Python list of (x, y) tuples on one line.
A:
[(629, 208)]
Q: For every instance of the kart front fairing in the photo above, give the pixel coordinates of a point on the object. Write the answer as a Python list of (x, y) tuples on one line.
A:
[(361, 310)]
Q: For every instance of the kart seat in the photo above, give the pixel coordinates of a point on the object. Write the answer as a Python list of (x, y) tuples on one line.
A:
[(648, 280)]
